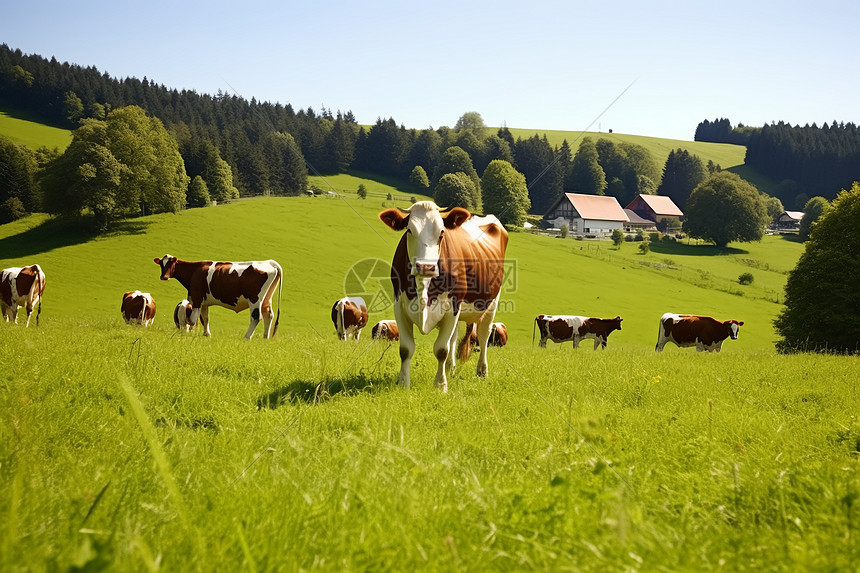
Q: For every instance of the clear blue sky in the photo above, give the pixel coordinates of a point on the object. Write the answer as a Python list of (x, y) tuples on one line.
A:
[(536, 65)]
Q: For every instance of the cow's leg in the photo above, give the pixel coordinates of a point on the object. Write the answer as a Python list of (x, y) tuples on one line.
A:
[(5, 310), (29, 312), (268, 319), (576, 341), (255, 320), (407, 343), (483, 332), (542, 342), (203, 313), (442, 348), (13, 313)]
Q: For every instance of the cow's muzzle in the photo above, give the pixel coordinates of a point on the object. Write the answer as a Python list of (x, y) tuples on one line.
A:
[(425, 269)]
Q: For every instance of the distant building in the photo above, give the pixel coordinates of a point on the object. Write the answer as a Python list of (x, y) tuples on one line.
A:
[(587, 215), (788, 221), (658, 209)]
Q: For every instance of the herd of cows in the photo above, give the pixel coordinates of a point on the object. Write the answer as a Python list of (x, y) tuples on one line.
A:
[(447, 268)]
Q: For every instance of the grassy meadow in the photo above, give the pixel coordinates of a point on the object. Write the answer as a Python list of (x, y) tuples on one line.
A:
[(145, 449), (23, 131)]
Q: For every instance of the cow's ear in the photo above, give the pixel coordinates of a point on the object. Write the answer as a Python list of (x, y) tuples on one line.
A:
[(394, 219), (157, 261), (741, 323), (456, 217)]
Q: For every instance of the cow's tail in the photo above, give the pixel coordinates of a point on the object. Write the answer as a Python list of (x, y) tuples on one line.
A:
[(280, 287), (464, 350), (534, 326)]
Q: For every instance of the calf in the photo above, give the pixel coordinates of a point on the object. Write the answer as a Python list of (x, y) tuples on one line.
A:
[(703, 332), (349, 316), (236, 286), (138, 308), (182, 316), (563, 328), (385, 330), (21, 286)]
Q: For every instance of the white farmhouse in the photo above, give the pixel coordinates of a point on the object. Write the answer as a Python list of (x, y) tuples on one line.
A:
[(587, 215)]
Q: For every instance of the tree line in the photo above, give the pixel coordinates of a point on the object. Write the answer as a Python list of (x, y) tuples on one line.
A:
[(806, 161)]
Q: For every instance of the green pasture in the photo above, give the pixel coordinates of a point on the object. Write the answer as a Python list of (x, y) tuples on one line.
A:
[(333, 246), (32, 134), (146, 449)]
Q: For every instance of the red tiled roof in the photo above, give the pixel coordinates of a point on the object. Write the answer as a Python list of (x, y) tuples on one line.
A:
[(597, 207)]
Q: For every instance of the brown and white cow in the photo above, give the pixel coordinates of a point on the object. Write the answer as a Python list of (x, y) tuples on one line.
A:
[(21, 286), (448, 267), (564, 328), (703, 332), (236, 286), (349, 316), (385, 330), (182, 316), (498, 338), (138, 308)]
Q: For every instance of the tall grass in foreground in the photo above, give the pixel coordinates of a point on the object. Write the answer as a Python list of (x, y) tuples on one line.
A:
[(143, 449)]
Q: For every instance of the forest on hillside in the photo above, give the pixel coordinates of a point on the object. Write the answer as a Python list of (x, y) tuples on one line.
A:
[(269, 148), (809, 160)]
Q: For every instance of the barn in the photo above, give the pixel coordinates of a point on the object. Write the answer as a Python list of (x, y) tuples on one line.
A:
[(587, 215), (658, 209)]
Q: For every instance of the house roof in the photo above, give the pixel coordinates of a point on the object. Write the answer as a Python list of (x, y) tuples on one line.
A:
[(594, 207), (636, 219), (662, 205), (795, 215)]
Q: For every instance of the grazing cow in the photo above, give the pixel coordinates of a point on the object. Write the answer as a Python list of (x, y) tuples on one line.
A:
[(349, 316), (563, 328), (138, 308), (236, 286), (448, 267), (385, 330), (498, 337), (703, 332), (21, 286), (182, 316)]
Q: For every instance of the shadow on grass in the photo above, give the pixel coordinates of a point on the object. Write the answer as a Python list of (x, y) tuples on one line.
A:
[(681, 248), (61, 232), (307, 392)]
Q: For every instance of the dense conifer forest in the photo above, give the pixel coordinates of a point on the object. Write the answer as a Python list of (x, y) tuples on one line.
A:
[(816, 161)]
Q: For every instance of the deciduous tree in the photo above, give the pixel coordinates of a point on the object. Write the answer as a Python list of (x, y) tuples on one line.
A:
[(812, 210), (455, 190), (822, 301), (505, 193), (726, 208)]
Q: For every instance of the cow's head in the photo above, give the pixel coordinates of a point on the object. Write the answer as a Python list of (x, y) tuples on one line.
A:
[(425, 225), (167, 263), (734, 328), (616, 323)]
